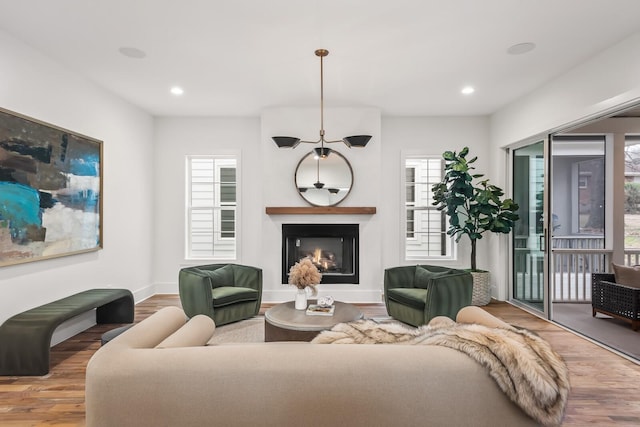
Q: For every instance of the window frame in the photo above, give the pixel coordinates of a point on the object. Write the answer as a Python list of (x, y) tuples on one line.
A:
[(404, 207), (218, 205)]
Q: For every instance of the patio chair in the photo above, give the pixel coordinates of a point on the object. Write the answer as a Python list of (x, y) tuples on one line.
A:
[(615, 299)]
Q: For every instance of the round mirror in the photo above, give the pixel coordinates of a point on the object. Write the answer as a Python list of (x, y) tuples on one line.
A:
[(324, 181)]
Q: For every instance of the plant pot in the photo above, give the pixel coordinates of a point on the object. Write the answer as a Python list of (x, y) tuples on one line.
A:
[(481, 288)]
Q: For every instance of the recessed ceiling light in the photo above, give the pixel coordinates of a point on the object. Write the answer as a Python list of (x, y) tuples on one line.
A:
[(520, 48), (176, 90), (132, 52), (467, 90)]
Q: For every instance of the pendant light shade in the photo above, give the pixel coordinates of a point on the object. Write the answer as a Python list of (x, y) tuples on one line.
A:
[(286, 141)]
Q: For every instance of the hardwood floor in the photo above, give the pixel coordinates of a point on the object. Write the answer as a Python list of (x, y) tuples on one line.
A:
[(605, 387)]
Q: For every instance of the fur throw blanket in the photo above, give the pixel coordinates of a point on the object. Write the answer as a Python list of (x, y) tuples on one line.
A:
[(523, 365)]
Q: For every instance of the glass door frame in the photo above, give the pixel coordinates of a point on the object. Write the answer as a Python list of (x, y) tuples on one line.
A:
[(546, 209)]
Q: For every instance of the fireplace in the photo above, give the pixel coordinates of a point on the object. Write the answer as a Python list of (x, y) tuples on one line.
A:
[(333, 248)]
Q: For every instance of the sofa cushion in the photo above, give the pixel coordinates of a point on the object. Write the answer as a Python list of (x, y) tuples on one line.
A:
[(196, 332), (225, 295), (423, 276), (413, 297), (222, 276), (629, 276)]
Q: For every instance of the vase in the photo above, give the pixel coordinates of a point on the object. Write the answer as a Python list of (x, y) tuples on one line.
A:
[(301, 299)]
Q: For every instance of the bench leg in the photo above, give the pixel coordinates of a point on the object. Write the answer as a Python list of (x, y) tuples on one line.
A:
[(118, 311), (25, 353)]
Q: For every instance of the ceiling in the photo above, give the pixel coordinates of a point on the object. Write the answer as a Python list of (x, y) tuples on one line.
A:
[(238, 57)]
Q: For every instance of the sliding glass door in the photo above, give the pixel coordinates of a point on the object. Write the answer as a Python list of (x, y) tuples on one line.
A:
[(530, 233)]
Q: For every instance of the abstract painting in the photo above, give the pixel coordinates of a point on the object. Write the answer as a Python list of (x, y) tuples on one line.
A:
[(50, 191)]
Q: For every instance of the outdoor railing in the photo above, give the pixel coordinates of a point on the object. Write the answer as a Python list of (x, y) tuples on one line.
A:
[(632, 257), (571, 272)]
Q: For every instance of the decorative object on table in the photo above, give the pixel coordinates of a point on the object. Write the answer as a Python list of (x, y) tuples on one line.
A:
[(473, 209), (305, 276), (322, 151), (320, 310), (326, 301), (50, 191)]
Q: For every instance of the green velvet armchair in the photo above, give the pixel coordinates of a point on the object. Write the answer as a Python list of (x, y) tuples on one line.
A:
[(225, 292), (416, 294)]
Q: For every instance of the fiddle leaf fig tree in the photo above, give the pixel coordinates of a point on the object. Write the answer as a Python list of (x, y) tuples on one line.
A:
[(473, 206)]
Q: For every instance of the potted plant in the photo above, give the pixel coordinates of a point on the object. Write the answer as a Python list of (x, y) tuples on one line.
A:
[(474, 207)]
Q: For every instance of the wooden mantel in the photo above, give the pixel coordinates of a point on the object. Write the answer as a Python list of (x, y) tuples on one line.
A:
[(320, 210)]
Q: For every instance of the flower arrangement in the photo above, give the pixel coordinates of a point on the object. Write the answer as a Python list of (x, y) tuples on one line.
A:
[(304, 274)]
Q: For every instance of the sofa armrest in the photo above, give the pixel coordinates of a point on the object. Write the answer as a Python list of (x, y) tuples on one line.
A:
[(448, 294), (246, 276), (399, 277), (149, 332), (473, 314), (600, 277), (196, 332), (195, 292)]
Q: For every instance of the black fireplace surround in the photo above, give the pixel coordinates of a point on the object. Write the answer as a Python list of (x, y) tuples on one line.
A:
[(333, 248)]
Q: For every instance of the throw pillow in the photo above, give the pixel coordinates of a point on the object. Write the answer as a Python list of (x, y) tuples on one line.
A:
[(195, 333), (423, 276), (629, 276), (222, 276)]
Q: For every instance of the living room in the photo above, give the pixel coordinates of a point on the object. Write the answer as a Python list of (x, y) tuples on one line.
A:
[(145, 149)]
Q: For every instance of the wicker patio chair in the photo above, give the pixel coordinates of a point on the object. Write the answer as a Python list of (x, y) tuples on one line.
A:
[(614, 299)]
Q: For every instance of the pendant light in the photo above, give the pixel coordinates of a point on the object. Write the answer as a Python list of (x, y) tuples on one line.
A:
[(322, 151)]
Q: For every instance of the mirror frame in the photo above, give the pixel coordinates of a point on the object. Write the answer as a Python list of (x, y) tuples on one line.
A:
[(301, 193)]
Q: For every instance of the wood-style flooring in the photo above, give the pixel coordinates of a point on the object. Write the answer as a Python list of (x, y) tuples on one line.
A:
[(605, 387)]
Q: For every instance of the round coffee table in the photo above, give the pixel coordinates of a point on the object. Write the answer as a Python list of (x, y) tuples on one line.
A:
[(284, 323)]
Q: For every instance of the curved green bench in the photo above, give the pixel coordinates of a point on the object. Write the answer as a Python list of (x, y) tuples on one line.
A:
[(25, 339)]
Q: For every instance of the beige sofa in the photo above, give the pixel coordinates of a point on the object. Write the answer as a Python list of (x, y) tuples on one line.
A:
[(160, 373)]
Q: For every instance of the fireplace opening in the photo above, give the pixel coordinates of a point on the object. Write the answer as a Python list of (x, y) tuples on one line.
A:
[(333, 248)]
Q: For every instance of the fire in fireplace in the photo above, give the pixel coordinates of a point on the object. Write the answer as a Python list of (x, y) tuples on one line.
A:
[(333, 248)]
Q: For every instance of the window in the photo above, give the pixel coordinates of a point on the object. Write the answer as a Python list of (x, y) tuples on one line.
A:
[(212, 203), (425, 228)]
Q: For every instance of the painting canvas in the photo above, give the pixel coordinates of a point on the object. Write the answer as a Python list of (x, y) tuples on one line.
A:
[(50, 191)]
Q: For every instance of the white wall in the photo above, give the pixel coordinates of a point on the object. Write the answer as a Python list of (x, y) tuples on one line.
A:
[(268, 180), (607, 80), (279, 190), (431, 136), (36, 86), (143, 211), (603, 83), (175, 138)]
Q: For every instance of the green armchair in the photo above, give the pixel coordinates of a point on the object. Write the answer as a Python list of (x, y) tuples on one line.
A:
[(416, 294), (225, 292)]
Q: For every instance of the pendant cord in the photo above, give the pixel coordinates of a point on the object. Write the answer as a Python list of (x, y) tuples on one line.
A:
[(321, 102)]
